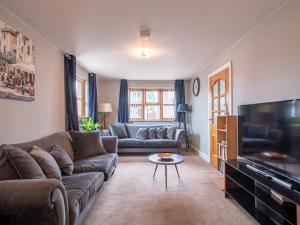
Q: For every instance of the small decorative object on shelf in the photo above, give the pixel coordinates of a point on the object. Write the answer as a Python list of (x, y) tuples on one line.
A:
[(226, 139)]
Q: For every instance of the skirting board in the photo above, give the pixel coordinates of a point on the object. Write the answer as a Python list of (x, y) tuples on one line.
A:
[(201, 154)]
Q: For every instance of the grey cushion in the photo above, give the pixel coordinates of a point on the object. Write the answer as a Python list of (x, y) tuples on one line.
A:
[(132, 129), (160, 143), (25, 166), (161, 133), (87, 144), (80, 189), (171, 132), (102, 163), (118, 129), (131, 142), (152, 133), (7, 171), (63, 160), (142, 133), (46, 162)]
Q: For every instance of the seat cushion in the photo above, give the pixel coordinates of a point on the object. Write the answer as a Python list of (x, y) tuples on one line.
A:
[(131, 142), (80, 189), (160, 143), (105, 163)]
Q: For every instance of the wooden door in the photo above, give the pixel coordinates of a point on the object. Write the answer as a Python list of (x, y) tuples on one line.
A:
[(220, 104)]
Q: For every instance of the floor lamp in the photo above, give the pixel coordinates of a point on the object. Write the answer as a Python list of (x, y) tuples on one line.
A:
[(105, 108), (183, 109)]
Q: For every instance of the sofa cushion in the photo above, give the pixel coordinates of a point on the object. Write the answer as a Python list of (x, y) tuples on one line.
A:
[(25, 166), (171, 132), (152, 133), (87, 144), (161, 133), (80, 188), (118, 129), (46, 162), (160, 143), (142, 133), (131, 142), (102, 163), (132, 129), (7, 171), (63, 160)]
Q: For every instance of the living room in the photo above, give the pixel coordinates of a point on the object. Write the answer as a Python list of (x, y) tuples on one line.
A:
[(194, 111)]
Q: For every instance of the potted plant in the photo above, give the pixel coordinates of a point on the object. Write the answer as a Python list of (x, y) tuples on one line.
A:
[(89, 125)]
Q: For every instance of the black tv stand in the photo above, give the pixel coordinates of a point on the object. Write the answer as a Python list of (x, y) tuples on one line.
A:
[(268, 198)]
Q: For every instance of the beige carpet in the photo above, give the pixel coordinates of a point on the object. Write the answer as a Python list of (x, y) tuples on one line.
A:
[(132, 197)]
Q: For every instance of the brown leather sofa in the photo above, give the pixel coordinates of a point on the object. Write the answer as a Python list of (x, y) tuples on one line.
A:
[(49, 201)]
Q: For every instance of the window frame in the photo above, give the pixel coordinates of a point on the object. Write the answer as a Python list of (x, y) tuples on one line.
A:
[(144, 104), (83, 96)]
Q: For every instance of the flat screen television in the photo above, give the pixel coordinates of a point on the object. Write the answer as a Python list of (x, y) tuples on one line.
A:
[(269, 135)]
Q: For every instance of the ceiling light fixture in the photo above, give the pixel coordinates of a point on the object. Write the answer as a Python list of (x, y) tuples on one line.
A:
[(144, 52)]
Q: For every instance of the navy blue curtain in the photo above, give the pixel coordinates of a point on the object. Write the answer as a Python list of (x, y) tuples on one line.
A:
[(92, 98), (123, 112), (70, 93), (179, 95)]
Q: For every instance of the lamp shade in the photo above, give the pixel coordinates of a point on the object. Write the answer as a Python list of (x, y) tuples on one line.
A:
[(183, 108), (105, 108)]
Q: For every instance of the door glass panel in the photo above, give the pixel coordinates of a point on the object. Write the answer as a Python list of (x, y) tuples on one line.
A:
[(214, 119), (215, 104), (222, 103), (222, 87), (215, 89)]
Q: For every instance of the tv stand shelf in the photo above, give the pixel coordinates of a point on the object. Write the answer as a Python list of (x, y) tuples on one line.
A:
[(256, 195)]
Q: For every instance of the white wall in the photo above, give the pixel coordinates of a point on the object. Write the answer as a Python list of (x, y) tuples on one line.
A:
[(265, 67), (108, 91), (23, 121)]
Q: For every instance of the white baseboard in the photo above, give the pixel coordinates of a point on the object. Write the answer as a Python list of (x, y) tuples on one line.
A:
[(201, 154)]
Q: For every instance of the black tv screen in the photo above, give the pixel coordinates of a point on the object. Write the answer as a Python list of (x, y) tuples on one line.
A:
[(269, 134)]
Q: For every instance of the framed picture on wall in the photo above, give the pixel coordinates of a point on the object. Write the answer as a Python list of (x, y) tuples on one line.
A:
[(17, 64)]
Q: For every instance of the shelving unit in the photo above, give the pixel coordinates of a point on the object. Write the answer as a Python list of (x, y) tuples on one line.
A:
[(226, 139), (253, 193)]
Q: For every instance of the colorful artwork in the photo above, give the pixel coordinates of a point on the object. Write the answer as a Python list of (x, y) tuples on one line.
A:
[(17, 65)]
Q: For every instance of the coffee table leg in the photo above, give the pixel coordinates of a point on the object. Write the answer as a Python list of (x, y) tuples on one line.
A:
[(155, 170), (177, 171), (166, 176)]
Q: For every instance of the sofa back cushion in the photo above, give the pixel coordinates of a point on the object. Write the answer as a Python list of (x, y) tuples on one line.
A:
[(62, 139), (171, 132), (7, 171), (63, 160), (152, 133), (142, 133), (161, 133), (46, 162), (118, 129), (132, 129), (87, 144), (25, 166)]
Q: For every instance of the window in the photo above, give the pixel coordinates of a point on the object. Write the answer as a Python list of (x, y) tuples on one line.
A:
[(151, 104), (81, 96)]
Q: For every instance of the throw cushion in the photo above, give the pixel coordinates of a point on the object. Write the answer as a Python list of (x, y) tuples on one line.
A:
[(152, 133), (142, 133), (25, 166), (63, 160), (46, 162), (161, 133), (87, 144), (118, 129), (171, 132)]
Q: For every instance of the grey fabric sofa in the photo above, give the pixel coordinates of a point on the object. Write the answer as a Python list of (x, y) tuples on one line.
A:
[(54, 202), (133, 145)]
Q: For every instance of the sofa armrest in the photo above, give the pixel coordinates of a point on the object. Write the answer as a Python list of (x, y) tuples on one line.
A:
[(110, 143), (179, 135), (28, 196)]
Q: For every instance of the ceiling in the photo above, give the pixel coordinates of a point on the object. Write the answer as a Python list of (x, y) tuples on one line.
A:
[(185, 35)]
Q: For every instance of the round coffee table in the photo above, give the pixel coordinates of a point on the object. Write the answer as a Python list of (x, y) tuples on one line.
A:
[(174, 160)]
